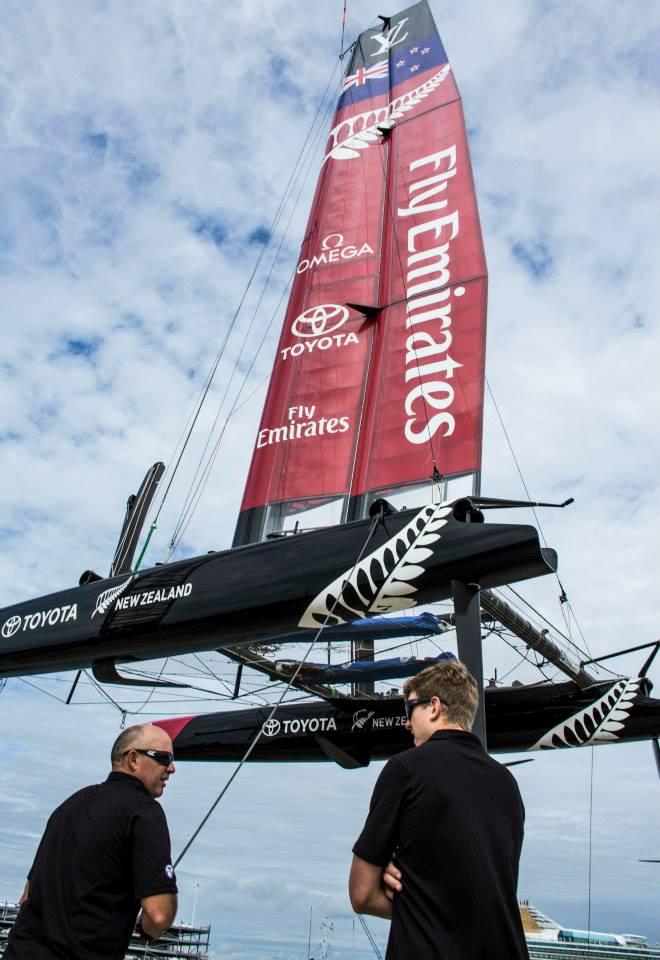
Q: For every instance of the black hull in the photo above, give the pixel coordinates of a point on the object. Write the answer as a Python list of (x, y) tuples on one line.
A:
[(265, 590), (353, 732)]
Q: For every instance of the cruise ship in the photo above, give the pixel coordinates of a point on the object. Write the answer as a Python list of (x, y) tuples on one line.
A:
[(182, 941), (547, 940)]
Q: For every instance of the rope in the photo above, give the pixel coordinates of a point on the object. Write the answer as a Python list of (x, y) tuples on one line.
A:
[(187, 432), (202, 473), (276, 706), (563, 599), (591, 818), (41, 690), (343, 30)]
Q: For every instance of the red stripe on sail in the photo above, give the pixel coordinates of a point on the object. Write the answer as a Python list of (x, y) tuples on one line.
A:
[(425, 399), (306, 442)]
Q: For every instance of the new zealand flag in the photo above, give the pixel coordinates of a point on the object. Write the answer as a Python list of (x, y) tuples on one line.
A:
[(405, 46)]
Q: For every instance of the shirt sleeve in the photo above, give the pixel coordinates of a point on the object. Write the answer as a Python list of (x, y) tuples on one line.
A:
[(41, 843), (153, 872), (377, 842)]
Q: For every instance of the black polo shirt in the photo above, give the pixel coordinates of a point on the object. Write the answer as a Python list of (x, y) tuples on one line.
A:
[(454, 817), (103, 849)]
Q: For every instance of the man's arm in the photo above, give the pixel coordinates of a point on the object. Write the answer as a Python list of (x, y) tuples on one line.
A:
[(158, 913), (25, 895), (366, 891)]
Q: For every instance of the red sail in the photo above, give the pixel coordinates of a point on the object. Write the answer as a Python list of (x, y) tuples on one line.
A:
[(378, 377)]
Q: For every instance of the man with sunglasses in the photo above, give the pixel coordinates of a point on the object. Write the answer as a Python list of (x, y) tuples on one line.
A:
[(440, 848), (104, 857)]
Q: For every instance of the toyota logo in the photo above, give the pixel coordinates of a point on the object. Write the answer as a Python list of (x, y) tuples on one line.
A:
[(11, 626), (315, 321), (271, 728)]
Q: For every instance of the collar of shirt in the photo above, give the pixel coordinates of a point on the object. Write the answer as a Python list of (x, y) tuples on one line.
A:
[(463, 735), (117, 777)]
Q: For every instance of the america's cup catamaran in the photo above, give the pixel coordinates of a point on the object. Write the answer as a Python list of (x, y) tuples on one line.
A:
[(376, 393)]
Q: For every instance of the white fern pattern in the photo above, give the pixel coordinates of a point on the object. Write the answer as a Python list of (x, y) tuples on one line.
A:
[(361, 718), (382, 581), (598, 723), (359, 132), (107, 598)]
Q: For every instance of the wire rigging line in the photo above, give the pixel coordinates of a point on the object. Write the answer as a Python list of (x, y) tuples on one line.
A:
[(538, 613), (212, 673), (515, 460), (563, 599), (370, 937), (577, 650), (104, 693), (41, 690), (186, 435), (591, 820), (276, 705), (194, 498), (343, 29), (297, 182)]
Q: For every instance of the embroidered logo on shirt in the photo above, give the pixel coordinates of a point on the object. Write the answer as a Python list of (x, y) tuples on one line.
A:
[(169, 871)]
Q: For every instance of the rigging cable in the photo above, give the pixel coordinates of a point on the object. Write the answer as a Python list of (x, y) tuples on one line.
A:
[(563, 599), (591, 819), (104, 693), (370, 937), (525, 602), (276, 705), (301, 173), (186, 435), (41, 690), (577, 650), (343, 30), (312, 231)]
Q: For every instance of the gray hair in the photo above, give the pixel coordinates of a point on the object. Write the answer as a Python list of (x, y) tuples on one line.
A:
[(127, 739)]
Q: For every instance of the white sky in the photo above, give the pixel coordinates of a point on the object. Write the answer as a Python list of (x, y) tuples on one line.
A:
[(141, 147)]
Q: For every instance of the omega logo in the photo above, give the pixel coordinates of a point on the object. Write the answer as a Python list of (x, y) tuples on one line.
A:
[(333, 250), (326, 245), (316, 321)]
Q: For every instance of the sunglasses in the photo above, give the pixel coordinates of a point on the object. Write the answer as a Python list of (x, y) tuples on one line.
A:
[(163, 757), (409, 705)]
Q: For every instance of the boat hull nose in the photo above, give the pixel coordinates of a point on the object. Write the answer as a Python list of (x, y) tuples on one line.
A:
[(174, 726)]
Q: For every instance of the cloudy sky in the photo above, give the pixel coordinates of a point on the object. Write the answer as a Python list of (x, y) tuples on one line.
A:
[(144, 149)]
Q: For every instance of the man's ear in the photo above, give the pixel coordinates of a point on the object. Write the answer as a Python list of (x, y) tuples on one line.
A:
[(437, 708)]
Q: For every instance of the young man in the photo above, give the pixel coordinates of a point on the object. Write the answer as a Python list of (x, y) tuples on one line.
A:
[(452, 820), (104, 854)]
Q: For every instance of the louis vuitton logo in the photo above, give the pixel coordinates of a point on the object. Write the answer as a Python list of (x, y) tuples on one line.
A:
[(389, 38)]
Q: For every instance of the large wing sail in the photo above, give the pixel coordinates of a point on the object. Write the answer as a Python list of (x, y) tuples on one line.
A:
[(423, 410), (378, 378)]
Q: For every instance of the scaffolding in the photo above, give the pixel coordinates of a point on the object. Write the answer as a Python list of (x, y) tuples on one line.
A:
[(182, 941)]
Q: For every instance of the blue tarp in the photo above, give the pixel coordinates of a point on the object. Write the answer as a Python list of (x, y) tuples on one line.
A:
[(366, 669), (421, 625)]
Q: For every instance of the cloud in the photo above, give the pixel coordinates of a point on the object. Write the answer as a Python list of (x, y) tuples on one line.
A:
[(143, 151)]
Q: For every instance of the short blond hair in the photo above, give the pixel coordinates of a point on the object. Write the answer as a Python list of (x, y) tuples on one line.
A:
[(453, 684)]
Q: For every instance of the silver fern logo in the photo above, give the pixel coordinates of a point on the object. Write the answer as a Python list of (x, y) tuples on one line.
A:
[(361, 718), (383, 581), (600, 722), (359, 132), (105, 600)]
